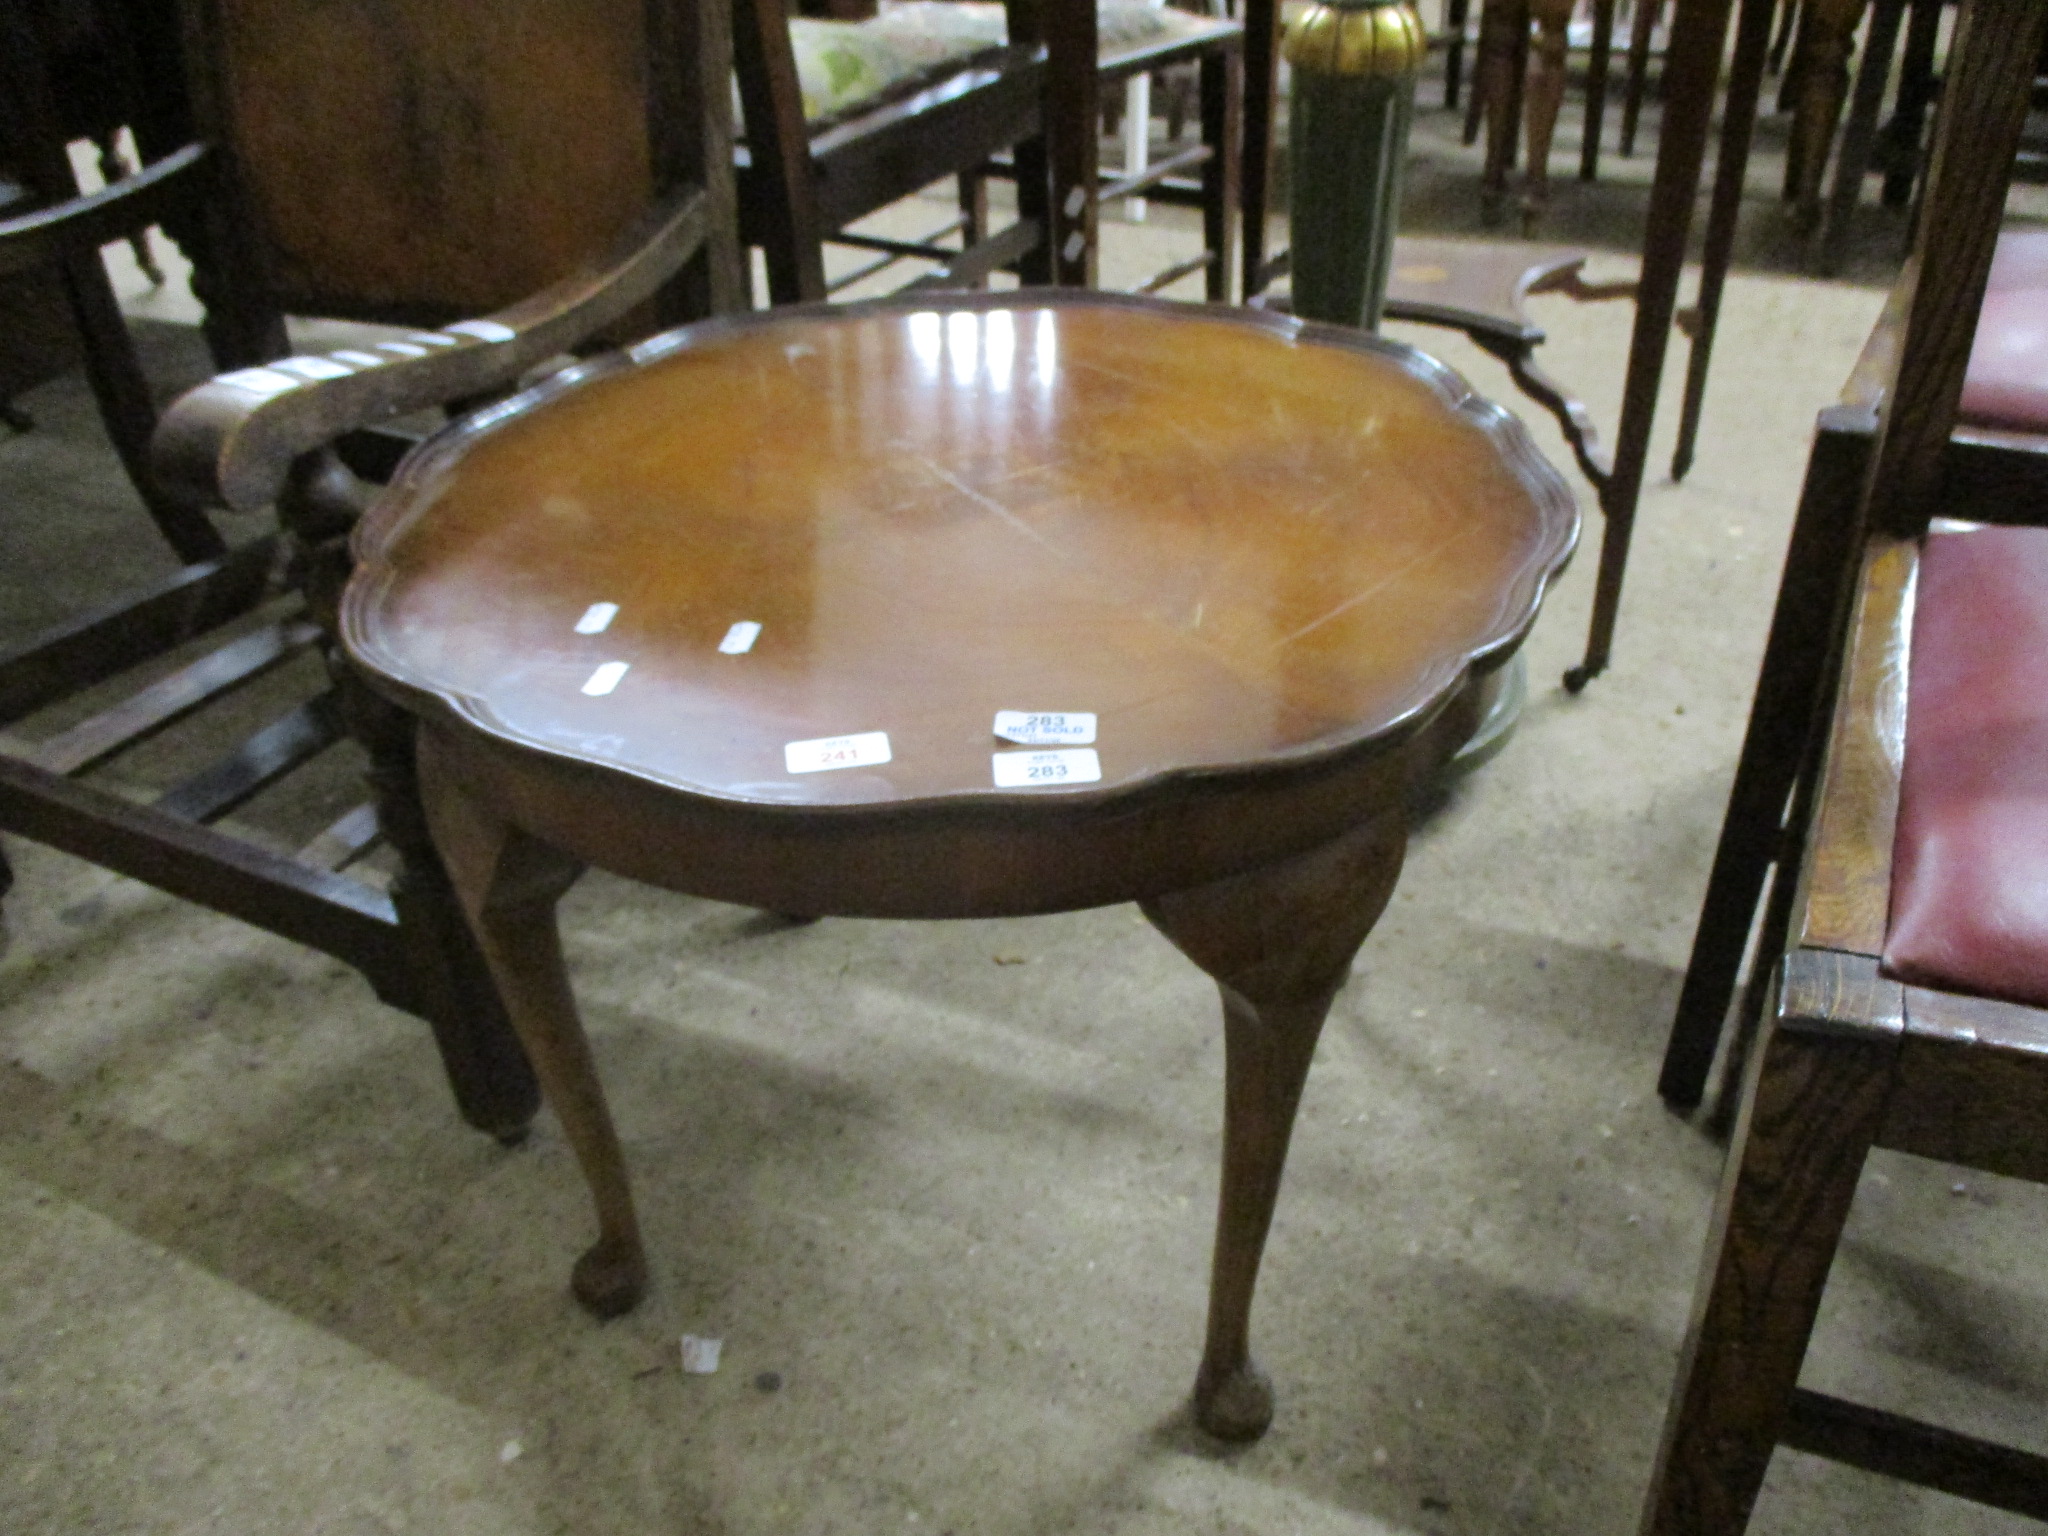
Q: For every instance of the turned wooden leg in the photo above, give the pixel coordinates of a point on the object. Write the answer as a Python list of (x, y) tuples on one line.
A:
[(1503, 47), (1830, 37), (1544, 97), (1812, 1106), (508, 884), (1278, 942)]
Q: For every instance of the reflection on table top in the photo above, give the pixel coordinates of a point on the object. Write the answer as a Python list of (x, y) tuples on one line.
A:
[(1224, 542)]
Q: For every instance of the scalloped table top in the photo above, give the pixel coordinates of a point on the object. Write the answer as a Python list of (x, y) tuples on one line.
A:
[(1233, 539)]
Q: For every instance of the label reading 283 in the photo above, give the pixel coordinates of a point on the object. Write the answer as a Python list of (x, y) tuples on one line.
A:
[(1041, 770), (1042, 728)]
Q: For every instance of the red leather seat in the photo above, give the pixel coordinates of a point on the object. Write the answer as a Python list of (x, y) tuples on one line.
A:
[(2008, 380), (1969, 909)]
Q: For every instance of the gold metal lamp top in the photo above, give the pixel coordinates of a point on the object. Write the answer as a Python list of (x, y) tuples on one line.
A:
[(1357, 37)]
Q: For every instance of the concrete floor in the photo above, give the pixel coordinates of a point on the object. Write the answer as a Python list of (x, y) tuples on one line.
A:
[(944, 1190)]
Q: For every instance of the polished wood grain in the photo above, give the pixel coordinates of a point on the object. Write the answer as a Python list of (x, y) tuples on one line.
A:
[(1231, 545), (1810, 1112), (1848, 878), (1273, 560), (471, 180)]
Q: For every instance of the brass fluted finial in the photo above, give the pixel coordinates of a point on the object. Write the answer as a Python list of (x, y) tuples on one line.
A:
[(1357, 37)]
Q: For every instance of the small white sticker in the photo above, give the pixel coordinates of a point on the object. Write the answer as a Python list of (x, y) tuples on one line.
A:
[(1040, 729), (362, 359), (401, 349), (434, 339), (1076, 201), (597, 618), (1076, 244), (1033, 770), (700, 1356), (482, 330), (260, 381), (314, 367), (606, 678), (861, 751), (740, 638)]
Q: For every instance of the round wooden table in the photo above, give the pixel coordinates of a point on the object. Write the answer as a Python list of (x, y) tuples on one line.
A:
[(958, 607)]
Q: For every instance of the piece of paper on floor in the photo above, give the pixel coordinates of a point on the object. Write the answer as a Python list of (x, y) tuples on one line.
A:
[(700, 1356)]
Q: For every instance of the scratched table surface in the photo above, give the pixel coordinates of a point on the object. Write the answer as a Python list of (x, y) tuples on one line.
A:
[(808, 559)]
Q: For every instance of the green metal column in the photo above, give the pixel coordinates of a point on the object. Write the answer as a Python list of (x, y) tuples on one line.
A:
[(1354, 64)]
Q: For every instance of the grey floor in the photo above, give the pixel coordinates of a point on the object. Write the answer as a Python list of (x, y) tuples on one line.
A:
[(944, 1191)]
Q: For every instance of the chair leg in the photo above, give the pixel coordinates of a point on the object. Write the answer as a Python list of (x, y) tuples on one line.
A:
[(1137, 138), (1830, 37), (509, 885), (488, 1072), (1279, 942), (973, 191), (1788, 17), (1503, 44), (1255, 162), (1731, 167), (1596, 88), (1544, 97), (1902, 135), (1640, 37), (1859, 134), (1455, 14), (493, 1084), (1222, 87), (1811, 1108), (1785, 717)]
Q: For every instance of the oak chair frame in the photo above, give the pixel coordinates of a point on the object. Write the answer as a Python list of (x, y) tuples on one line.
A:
[(1848, 1058), (291, 433)]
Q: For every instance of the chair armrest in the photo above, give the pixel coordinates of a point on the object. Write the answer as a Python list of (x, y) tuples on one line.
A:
[(83, 224), (231, 442)]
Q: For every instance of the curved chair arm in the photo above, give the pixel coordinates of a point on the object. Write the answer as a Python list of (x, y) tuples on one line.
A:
[(231, 442), (82, 224)]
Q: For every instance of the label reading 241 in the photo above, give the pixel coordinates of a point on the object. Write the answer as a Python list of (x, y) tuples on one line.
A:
[(1041, 770), (827, 752), (1042, 729)]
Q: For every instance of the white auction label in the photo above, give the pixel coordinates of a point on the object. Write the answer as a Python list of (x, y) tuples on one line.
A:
[(1045, 730), (1030, 770), (596, 618), (740, 638), (861, 751)]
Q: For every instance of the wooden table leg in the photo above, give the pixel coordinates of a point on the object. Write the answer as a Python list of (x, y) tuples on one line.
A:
[(1692, 69), (509, 884), (1278, 942)]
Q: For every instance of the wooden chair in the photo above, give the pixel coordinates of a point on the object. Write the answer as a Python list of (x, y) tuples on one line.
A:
[(806, 171), (615, 206), (1133, 40), (1908, 967)]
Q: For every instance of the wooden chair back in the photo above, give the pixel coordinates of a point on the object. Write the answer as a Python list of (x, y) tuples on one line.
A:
[(411, 161)]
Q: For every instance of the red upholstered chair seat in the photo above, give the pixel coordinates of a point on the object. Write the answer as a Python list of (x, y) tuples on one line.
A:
[(2008, 380), (1969, 909)]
